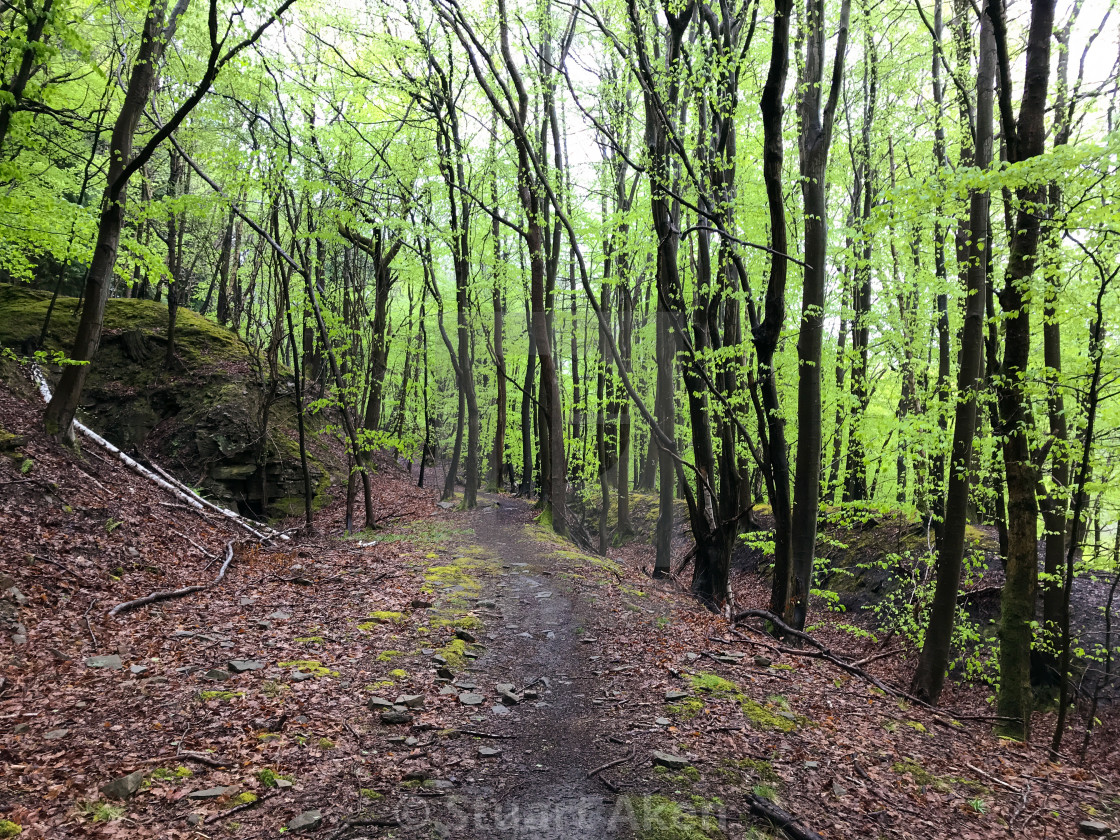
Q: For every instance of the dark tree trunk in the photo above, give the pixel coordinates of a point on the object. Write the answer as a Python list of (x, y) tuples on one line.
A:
[(929, 678), (815, 140), (1025, 138)]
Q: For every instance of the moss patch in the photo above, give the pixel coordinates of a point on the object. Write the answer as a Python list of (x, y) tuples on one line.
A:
[(774, 714), (10, 829), (686, 709), (387, 617), (310, 666), (163, 774), (225, 696), (660, 818)]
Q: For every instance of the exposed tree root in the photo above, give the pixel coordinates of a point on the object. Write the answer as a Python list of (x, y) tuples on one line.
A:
[(168, 594)]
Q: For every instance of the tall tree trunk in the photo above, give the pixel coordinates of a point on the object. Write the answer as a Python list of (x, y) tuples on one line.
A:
[(1025, 139), (59, 416), (929, 678), (815, 140)]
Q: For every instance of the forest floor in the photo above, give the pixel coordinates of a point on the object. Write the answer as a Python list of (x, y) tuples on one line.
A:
[(306, 692)]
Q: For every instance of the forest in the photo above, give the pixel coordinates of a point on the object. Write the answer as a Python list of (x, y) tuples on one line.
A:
[(767, 269)]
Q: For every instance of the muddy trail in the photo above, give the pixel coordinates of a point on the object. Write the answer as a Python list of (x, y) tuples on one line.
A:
[(545, 699)]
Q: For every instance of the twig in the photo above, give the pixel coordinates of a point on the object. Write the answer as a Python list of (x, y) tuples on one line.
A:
[(213, 818), (358, 821), (88, 627), (992, 778), (205, 553), (611, 787), (611, 764), (869, 659), (168, 594), (529, 685), (485, 734), (68, 571)]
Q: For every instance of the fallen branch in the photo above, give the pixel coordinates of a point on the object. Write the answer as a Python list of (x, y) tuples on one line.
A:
[(245, 806), (168, 594), (611, 764), (167, 482), (781, 818)]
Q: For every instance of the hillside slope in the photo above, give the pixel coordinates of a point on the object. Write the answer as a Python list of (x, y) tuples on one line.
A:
[(202, 418)]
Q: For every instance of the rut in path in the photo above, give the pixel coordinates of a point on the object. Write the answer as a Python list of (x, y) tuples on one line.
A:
[(534, 613)]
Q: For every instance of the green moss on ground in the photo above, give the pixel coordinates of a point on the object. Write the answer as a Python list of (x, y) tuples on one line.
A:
[(660, 818)]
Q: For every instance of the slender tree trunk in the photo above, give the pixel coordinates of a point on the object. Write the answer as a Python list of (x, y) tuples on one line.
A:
[(929, 678), (815, 140), (59, 416), (1026, 139)]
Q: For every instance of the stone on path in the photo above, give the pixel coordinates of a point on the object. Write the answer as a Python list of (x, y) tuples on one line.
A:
[(488, 752), (209, 793), (112, 662), (307, 821), (56, 734), (1097, 829), (280, 615), (675, 696), (761, 661), (391, 717), (240, 666), (412, 701), (216, 674), (662, 721), (376, 703), (469, 698), (670, 760), (123, 787)]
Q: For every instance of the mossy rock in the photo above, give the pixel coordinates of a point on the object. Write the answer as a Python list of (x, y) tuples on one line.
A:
[(198, 417)]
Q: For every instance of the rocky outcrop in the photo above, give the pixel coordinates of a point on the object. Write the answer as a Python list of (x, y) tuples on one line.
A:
[(202, 418)]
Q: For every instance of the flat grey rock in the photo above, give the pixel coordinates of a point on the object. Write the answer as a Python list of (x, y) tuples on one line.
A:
[(124, 787), (469, 698), (301, 676), (674, 696), (209, 793), (56, 734), (662, 721), (411, 701), (446, 505), (376, 703), (112, 662), (216, 674), (240, 666), (500, 710), (1094, 828), (137, 669), (280, 615), (307, 821), (488, 752), (670, 760)]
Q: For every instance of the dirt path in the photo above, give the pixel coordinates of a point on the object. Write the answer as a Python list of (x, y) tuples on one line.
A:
[(534, 606)]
